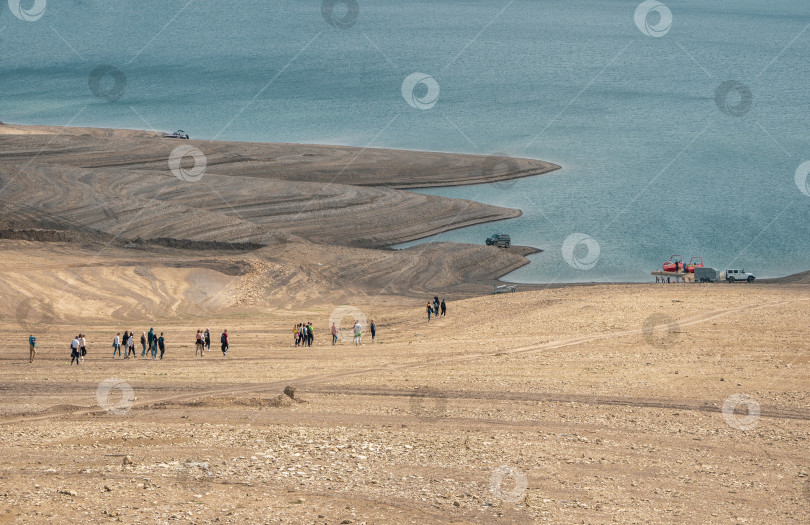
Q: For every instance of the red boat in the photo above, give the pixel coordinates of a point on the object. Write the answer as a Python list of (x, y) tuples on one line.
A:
[(674, 264), (694, 262)]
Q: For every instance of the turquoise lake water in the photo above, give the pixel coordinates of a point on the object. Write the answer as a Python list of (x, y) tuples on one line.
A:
[(675, 138)]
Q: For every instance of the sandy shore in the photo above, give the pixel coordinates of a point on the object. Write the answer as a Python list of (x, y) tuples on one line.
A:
[(574, 404)]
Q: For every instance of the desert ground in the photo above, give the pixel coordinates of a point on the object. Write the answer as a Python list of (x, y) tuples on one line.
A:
[(623, 403), (600, 404)]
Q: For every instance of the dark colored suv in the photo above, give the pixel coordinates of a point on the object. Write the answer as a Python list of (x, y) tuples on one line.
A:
[(501, 240)]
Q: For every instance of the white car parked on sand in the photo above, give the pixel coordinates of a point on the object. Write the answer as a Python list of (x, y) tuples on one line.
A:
[(739, 275)]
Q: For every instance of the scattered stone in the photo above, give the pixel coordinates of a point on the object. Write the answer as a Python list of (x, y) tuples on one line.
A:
[(128, 461)]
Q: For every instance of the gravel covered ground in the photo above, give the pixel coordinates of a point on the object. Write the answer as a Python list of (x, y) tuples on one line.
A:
[(601, 404)]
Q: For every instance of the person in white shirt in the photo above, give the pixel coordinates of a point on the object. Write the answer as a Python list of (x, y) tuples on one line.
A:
[(74, 351), (82, 346), (117, 344), (358, 333)]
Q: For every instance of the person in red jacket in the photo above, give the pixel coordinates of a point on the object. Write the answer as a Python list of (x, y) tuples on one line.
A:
[(224, 341)]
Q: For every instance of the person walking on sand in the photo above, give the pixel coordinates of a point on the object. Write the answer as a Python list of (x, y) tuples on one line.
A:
[(444, 307), (310, 334), (334, 333), (143, 343), (154, 348), (74, 351), (125, 342), (373, 329), (117, 344), (162, 344), (32, 348), (436, 306), (131, 345), (83, 347), (358, 333), (149, 337), (429, 310), (207, 339), (224, 340), (199, 344)]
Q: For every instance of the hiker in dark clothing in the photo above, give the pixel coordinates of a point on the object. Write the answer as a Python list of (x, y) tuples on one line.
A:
[(124, 343), (143, 343), (74, 351), (207, 339), (436, 306), (154, 347), (310, 334), (162, 344), (444, 308), (149, 339), (429, 310), (224, 340), (373, 328)]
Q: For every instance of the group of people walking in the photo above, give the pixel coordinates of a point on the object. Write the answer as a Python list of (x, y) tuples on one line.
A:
[(357, 330), (304, 334), (78, 348), (436, 308), (203, 342), (150, 344)]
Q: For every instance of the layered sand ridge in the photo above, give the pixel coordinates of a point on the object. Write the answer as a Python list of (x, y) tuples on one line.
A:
[(299, 222)]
